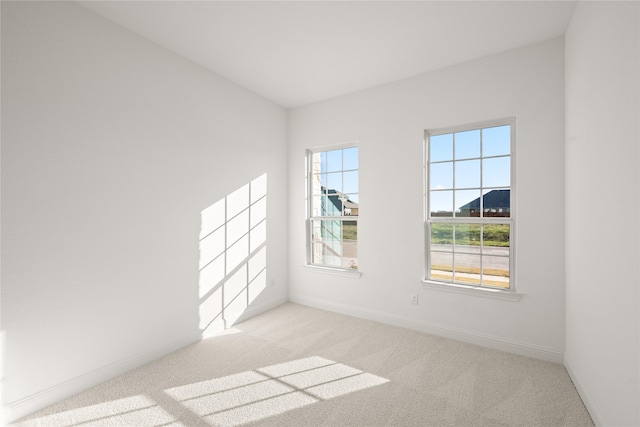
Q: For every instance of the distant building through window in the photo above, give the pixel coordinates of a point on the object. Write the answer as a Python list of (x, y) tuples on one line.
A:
[(333, 196), (496, 203), (469, 209)]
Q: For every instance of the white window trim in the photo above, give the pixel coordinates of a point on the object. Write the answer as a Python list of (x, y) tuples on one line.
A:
[(337, 271), (334, 271), (482, 291), (478, 291)]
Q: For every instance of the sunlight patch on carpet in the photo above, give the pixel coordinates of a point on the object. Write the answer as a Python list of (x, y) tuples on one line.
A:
[(129, 411), (272, 390)]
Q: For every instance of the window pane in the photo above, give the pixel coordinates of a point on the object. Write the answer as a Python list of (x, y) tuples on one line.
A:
[(349, 230), (351, 206), (495, 262), (316, 206), (496, 141), (333, 229), (332, 205), (326, 243), (350, 184), (321, 208), (441, 237), (496, 172), (318, 162), (333, 253), (496, 203), (442, 266), (467, 144), (350, 244), (350, 158), (441, 147), (332, 238), (316, 183), (495, 271), (441, 203), (334, 160), (323, 182), (328, 208), (468, 174), (468, 203), (467, 238), (316, 230), (317, 254), (334, 182), (441, 175), (496, 239), (467, 268)]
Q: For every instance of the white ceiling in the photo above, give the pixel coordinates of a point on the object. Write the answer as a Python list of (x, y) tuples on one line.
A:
[(299, 52)]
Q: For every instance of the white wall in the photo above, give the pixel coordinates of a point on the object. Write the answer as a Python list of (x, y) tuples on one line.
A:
[(603, 205), (389, 122), (111, 148)]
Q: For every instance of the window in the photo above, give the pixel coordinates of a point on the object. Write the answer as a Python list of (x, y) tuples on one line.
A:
[(469, 205), (332, 222)]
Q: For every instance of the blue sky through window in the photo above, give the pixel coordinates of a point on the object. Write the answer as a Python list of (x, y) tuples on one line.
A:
[(464, 167), (467, 144), (496, 141)]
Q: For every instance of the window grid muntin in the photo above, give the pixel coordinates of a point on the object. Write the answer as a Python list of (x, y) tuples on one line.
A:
[(454, 220)]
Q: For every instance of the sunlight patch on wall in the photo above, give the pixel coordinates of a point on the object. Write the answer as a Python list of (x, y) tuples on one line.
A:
[(233, 254), (129, 411), (254, 395)]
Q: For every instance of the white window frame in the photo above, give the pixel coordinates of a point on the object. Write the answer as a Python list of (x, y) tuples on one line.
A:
[(428, 219), (353, 271)]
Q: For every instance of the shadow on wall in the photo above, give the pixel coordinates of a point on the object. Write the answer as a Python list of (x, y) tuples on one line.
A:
[(233, 255)]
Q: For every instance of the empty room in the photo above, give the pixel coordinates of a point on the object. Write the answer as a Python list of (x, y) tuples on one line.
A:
[(320, 213)]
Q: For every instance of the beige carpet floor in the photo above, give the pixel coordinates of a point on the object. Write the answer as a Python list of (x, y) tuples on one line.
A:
[(299, 366)]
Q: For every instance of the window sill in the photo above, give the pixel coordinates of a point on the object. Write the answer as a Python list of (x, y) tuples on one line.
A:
[(472, 290), (354, 274)]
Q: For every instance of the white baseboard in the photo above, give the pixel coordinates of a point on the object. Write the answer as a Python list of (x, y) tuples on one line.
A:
[(27, 405), (511, 346), (582, 391)]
